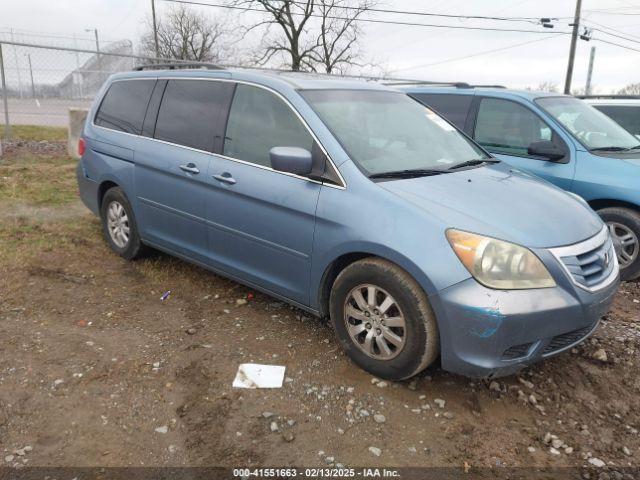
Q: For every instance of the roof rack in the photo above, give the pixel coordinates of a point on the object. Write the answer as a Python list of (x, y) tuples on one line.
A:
[(609, 97), (392, 83), (177, 66)]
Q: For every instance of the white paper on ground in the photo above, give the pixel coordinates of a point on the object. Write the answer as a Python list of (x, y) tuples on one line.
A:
[(253, 375)]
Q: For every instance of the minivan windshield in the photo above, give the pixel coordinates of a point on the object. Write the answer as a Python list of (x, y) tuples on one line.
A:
[(385, 131), (594, 129)]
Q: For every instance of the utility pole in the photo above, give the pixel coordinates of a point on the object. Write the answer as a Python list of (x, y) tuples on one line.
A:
[(155, 27), (78, 74), (5, 95), (587, 88), (98, 60), (15, 56), (572, 51), (33, 85)]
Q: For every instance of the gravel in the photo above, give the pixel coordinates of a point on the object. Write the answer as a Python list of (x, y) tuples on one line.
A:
[(596, 462), (379, 418), (375, 451), (601, 355)]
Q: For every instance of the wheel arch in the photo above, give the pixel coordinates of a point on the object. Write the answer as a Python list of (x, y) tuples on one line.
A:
[(601, 203), (344, 259), (102, 189)]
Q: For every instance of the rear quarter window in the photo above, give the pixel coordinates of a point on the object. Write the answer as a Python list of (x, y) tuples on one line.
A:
[(124, 106), (454, 108)]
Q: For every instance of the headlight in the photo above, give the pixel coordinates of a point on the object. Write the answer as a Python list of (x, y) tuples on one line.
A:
[(498, 264)]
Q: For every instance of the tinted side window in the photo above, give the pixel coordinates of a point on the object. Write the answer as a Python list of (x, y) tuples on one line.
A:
[(626, 115), (190, 111), (259, 121), (454, 108), (507, 127), (124, 105)]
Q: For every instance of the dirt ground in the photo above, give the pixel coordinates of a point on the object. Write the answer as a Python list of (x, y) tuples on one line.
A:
[(95, 370)]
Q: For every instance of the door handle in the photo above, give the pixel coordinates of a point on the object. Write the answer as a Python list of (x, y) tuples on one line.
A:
[(226, 178), (190, 167)]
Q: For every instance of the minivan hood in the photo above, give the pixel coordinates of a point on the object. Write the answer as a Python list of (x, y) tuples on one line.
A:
[(501, 202)]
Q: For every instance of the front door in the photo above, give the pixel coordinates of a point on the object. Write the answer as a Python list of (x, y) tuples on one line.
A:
[(506, 129), (262, 219)]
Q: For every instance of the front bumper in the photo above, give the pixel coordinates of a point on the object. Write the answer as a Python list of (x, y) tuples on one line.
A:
[(492, 333)]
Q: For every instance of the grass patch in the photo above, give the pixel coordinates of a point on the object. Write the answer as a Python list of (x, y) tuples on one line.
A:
[(38, 180), (23, 239), (35, 132)]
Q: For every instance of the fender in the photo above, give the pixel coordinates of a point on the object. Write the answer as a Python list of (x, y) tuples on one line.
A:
[(322, 263)]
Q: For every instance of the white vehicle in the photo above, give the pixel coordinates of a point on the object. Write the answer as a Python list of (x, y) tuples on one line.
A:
[(624, 109)]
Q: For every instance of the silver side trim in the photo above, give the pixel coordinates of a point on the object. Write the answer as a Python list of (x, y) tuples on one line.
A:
[(343, 185), (583, 247)]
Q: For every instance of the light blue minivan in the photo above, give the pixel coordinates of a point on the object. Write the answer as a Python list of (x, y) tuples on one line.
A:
[(351, 201), (561, 139)]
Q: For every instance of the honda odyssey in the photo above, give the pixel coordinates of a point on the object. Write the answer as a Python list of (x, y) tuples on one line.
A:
[(351, 201)]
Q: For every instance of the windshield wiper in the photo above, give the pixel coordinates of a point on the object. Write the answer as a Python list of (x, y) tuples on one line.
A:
[(472, 163), (614, 149), (417, 172)]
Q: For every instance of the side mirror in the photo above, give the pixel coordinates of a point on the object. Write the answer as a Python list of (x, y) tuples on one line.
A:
[(291, 160), (546, 149)]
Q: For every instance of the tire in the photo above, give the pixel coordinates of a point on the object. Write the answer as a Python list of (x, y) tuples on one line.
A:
[(131, 248), (420, 336), (623, 221)]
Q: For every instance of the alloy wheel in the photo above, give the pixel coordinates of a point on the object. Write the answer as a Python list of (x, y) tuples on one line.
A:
[(118, 224), (626, 243), (375, 322)]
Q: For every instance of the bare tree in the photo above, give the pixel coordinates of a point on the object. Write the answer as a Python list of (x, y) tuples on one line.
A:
[(313, 34), (548, 86), (186, 35), (337, 45), (291, 17), (580, 90), (631, 89)]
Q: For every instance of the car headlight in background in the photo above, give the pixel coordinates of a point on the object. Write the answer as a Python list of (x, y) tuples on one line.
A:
[(498, 264)]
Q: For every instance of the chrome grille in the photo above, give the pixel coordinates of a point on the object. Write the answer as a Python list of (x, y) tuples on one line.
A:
[(591, 264)]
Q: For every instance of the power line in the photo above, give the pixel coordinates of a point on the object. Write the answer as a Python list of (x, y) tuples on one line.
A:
[(614, 35), (612, 29), (604, 12), (477, 54), (535, 20), (616, 44), (372, 20)]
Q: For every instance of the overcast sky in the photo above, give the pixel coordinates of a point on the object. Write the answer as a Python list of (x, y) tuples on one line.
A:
[(414, 52)]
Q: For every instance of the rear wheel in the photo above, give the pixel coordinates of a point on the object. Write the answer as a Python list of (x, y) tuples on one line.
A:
[(119, 224), (383, 320), (624, 226)]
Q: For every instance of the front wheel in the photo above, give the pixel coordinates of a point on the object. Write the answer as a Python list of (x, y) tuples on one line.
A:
[(383, 319), (624, 226)]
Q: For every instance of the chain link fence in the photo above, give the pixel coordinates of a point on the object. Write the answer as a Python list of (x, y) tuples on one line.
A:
[(39, 83)]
